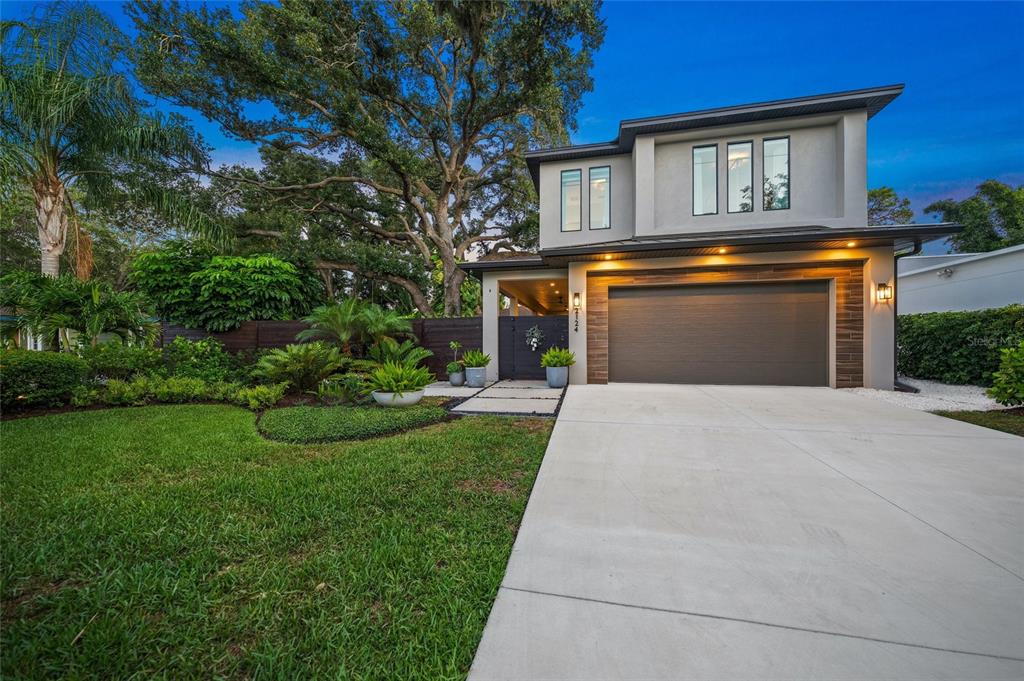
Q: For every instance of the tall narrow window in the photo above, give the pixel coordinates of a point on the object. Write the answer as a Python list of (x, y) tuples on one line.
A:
[(600, 198), (572, 200), (705, 180), (776, 173), (741, 177)]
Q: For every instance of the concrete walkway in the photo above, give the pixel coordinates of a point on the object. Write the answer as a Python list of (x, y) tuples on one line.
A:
[(730, 532), (527, 398)]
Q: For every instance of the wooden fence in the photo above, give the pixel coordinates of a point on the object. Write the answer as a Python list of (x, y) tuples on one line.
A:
[(433, 334)]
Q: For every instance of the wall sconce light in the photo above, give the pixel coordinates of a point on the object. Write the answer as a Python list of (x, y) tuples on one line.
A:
[(576, 309), (883, 292)]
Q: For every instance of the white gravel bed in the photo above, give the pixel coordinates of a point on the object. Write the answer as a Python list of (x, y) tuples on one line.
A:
[(934, 396)]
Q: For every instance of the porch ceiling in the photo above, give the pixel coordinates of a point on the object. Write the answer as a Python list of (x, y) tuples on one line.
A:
[(543, 296)]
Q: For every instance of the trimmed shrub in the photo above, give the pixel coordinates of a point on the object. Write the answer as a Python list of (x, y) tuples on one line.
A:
[(205, 359), (259, 396), (39, 379), (957, 347), (120, 361), (1008, 384), (127, 393), (178, 390), (327, 424)]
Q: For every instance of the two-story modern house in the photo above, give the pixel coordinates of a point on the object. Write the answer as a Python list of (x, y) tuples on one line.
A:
[(725, 246)]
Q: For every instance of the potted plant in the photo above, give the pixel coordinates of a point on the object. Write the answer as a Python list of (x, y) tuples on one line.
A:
[(456, 376), (476, 363), (398, 385), (556, 363)]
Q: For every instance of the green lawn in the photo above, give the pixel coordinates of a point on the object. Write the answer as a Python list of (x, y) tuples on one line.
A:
[(1008, 421), (175, 542), (329, 424)]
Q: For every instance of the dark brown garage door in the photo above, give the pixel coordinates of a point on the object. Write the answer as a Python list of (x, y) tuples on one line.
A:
[(754, 334)]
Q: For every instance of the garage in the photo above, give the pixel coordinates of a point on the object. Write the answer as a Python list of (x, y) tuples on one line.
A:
[(764, 333)]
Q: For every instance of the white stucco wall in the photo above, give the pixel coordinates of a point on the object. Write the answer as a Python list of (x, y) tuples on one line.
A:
[(973, 282), (551, 235)]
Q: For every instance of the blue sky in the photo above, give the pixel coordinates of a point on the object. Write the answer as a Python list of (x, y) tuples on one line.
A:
[(959, 121)]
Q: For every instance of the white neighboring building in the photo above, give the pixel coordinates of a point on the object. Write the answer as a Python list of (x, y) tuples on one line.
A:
[(965, 281)]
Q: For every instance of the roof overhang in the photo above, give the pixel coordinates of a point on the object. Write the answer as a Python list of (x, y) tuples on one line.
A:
[(897, 237), (871, 100)]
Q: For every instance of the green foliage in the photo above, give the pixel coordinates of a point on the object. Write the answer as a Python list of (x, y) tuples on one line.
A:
[(353, 321), (957, 347), (328, 424), (391, 377), (886, 207), (38, 379), (259, 396), (302, 366), (71, 121), (406, 352), (205, 358), (218, 293), (557, 357), (120, 361), (475, 359), (993, 218), (1008, 382), (178, 390), (348, 388), (84, 396), (54, 307), (118, 393), (453, 367), (362, 366)]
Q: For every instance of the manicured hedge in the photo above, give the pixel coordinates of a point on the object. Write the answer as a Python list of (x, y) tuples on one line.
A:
[(38, 379), (326, 424), (957, 347)]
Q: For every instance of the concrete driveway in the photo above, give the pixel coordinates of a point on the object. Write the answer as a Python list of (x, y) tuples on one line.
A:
[(733, 532)]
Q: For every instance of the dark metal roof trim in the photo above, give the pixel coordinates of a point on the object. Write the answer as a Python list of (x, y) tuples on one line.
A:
[(872, 100), (511, 264)]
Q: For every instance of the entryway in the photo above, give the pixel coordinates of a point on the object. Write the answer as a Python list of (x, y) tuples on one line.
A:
[(517, 358)]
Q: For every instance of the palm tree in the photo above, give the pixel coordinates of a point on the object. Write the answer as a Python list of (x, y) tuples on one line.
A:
[(70, 121), (339, 323), (380, 324)]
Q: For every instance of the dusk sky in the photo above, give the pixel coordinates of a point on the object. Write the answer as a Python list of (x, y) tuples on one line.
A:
[(959, 121)]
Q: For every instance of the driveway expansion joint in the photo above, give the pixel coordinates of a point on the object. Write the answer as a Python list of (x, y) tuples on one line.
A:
[(760, 623)]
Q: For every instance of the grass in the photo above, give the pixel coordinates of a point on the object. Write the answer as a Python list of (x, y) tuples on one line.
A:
[(1008, 421), (329, 424), (175, 542)]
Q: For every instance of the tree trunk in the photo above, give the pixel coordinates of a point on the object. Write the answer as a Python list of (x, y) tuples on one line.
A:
[(453, 291), (51, 223)]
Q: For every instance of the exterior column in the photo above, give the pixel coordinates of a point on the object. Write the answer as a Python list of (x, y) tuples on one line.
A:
[(879, 321), (490, 310), (578, 333)]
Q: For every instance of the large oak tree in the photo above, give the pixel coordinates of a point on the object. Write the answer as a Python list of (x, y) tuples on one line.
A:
[(424, 109)]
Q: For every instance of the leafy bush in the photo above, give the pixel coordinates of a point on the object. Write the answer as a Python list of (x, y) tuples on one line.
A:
[(957, 347), (399, 378), (84, 396), (353, 321), (120, 361), (189, 285), (362, 366), (1008, 384), (302, 366), (406, 352), (178, 390), (51, 307), (38, 379), (259, 396), (557, 357), (126, 393), (350, 388), (205, 359), (475, 359), (327, 424), (453, 367)]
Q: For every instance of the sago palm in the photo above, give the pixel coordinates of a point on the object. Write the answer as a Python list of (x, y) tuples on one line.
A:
[(68, 120), (339, 323)]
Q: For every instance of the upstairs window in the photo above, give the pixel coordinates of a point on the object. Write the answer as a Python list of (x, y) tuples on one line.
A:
[(600, 198), (776, 173), (705, 180), (572, 200), (740, 177)]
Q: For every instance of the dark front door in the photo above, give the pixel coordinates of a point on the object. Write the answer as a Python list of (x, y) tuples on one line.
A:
[(755, 334), (515, 358)]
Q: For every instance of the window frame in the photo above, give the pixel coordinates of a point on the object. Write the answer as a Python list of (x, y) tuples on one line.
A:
[(752, 193), (693, 179), (561, 200), (590, 219), (789, 170)]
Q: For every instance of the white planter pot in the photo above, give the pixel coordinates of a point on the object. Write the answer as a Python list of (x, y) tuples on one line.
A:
[(558, 377), (395, 400), (457, 379), (476, 376)]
